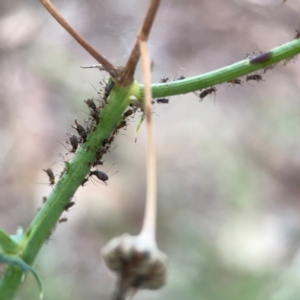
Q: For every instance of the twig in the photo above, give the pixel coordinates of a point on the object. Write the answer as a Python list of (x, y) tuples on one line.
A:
[(143, 35), (111, 69), (150, 210)]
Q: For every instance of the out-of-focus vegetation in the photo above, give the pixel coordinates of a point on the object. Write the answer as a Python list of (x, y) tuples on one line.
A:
[(228, 168)]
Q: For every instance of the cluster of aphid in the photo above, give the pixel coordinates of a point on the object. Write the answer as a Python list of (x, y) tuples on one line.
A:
[(75, 141), (255, 59)]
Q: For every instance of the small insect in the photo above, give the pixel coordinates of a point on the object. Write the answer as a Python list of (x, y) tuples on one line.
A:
[(91, 104), (95, 116), (122, 125), (73, 141), (111, 139), (181, 77), (269, 68), (261, 58), (69, 205), (254, 77), (81, 131), (297, 35), (63, 219), (128, 113), (235, 81), (108, 87), (162, 100), (164, 80), (100, 175), (51, 176), (206, 92)]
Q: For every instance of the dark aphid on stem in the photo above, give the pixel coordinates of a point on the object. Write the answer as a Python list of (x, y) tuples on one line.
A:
[(100, 175), (84, 181), (235, 81), (128, 113), (73, 141), (69, 205), (261, 58), (51, 176), (108, 87), (81, 130), (297, 35), (254, 77), (162, 100), (122, 125), (164, 80), (91, 104), (206, 92), (181, 77), (95, 116), (63, 219)]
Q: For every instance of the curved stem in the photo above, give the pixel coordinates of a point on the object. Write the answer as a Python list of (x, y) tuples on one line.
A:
[(196, 83)]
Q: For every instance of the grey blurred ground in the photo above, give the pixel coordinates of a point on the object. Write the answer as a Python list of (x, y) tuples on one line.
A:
[(228, 168)]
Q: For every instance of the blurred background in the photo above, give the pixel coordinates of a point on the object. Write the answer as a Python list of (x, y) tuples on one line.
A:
[(228, 167)]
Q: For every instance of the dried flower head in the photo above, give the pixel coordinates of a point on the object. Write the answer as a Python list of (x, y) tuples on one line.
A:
[(138, 263)]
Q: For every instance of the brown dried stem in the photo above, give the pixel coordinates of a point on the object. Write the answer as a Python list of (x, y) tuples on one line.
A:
[(143, 35), (150, 210), (111, 69)]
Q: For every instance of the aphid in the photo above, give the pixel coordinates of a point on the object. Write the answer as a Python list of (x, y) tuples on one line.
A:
[(261, 58), (181, 77), (111, 139), (81, 131), (63, 219), (95, 116), (100, 175), (297, 36), (164, 79), (91, 104), (73, 141), (101, 151), (122, 124), (269, 68), (255, 77), (99, 154), (162, 100), (69, 205), (51, 176), (84, 181), (108, 87), (128, 113), (235, 81), (206, 92)]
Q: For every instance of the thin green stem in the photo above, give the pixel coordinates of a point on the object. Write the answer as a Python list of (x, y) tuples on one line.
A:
[(46, 219), (241, 68)]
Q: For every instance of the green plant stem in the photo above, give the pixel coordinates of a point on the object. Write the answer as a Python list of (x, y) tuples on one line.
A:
[(196, 83), (42, 225), (46, 219)]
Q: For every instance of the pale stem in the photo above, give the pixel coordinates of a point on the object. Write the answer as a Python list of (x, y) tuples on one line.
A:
[(144, 32), (149, 225), (111, 69)]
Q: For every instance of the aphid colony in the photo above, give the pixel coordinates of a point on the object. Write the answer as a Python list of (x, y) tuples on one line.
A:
[(75, 141)]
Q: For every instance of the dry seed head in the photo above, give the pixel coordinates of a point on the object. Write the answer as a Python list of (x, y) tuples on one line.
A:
[(137, 261)]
